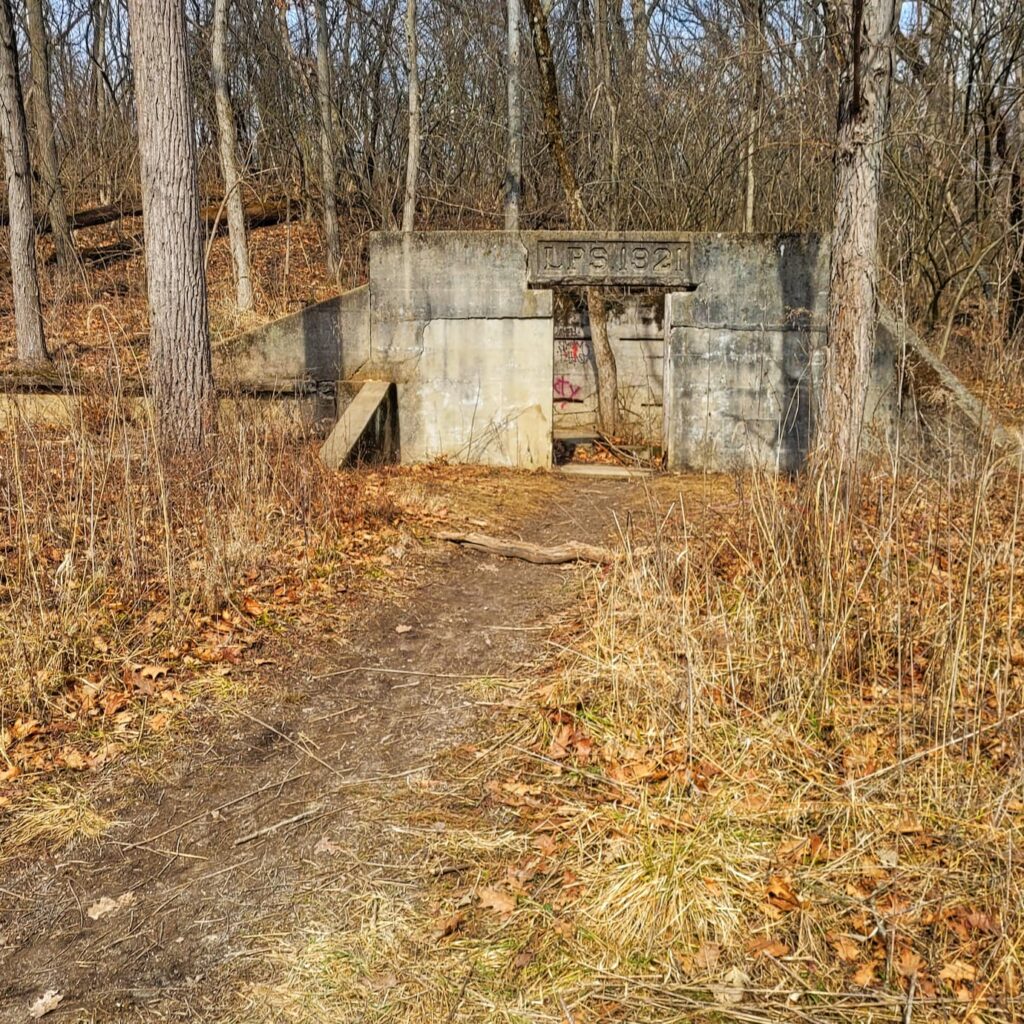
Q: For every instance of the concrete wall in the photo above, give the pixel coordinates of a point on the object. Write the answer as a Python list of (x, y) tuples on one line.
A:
[(740, 350), (745, 352), (319, 345), (470, 347)]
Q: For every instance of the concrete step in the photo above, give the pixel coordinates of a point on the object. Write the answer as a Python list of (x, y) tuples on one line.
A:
[(368, 418), (603, 470)]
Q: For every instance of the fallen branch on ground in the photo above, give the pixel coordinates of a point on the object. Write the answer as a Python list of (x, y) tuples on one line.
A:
[(572, 551)]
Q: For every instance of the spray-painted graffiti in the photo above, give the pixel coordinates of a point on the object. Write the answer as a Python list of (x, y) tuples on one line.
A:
[(574, 350), (566, 391)]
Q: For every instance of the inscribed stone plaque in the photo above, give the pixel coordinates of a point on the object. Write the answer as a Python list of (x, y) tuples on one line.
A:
[(589, 260)]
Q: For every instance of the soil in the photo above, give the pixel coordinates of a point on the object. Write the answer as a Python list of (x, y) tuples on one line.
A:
[(226, 836)]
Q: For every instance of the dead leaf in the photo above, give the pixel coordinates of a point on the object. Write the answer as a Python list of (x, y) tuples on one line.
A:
[(403, 629), (767, 947), (706, 958), (908, 963), (106, 905), (502, 903), (847, 949), (731, 989), (781, 894), (48, 1001), (545, 845), (252, 607), (958, 970), (864, 976), (325, 848), (448, 925)]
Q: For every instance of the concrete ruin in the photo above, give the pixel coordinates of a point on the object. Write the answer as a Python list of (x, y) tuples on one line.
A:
[(469, 346)]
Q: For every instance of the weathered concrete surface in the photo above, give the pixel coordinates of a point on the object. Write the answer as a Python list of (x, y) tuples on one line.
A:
[(367, 430), (470, 347), (740, 351), (485, 396), (302, 414), (321, 344)]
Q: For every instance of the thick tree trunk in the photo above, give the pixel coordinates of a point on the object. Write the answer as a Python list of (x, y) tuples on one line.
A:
[(853, 299), (181, 377), (228, 159), (328, 167), (412, 169), (49, 165), (514, 156), (604, 357), (28, 319)]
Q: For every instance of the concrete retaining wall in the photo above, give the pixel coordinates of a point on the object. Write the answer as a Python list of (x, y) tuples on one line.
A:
[(317, 346), (744, 354), (470, 347)]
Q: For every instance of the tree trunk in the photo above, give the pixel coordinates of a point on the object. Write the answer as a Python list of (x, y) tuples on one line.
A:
[(853, 301), (641, 34), (413, 166), (28, 319), (603, 56), (180, 375), (1016, 159), (604, 357), (98, 57), (49, 165), (514, 161), (228, 159), (753, 33), (328, 168)]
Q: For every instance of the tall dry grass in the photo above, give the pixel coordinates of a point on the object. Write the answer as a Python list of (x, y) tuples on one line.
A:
[(773, 774), (112, 550)]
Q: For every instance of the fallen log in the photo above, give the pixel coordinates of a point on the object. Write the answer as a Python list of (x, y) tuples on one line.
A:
[(571, 551)]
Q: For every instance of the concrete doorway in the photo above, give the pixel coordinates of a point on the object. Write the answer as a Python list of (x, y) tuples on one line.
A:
[(637, 335)]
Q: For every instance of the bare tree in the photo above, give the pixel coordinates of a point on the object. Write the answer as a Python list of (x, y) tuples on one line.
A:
[(604, 357), (181, 376), (49, 165), (853, 299), (328, 166), (31, 345), (228, 158), (753, 34), (514, 150), (413, 165)]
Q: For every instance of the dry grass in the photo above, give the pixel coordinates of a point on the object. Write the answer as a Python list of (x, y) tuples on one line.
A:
[(53, 815), (769, 777)]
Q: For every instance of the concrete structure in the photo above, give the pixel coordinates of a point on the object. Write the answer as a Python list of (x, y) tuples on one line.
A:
[(719, 341), (367, 429)]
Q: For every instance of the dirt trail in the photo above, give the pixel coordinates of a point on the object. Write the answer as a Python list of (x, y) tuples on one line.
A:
[(228, 833)]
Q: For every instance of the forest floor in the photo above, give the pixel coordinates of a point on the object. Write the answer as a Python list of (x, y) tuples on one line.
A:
[(270, 751), (250, 818)]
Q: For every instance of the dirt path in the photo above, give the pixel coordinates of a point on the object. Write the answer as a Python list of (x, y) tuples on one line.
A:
[(229, 832)]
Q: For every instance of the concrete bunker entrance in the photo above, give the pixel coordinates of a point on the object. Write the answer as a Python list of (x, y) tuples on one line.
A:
[(636, 332), (634, 274)]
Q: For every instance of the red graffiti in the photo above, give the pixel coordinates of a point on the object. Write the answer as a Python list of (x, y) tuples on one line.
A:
[(566, 391)]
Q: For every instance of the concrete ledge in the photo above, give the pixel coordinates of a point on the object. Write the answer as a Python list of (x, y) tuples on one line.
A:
[(302, 414), (367, 430)]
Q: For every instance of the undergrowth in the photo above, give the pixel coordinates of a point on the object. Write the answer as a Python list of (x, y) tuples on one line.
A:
[(128, 574), (771, 774)]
